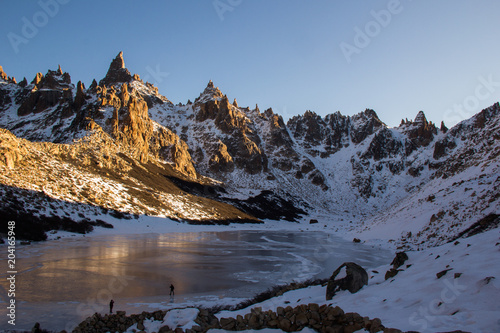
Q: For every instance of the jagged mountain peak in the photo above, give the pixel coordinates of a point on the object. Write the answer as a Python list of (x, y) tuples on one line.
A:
[(117, 72), (420, 118), (310, 114), (5, 77), (53, 80), (368, 115), (211, 92)]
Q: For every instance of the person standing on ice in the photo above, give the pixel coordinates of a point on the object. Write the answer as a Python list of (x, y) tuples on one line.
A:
[(172, 290)]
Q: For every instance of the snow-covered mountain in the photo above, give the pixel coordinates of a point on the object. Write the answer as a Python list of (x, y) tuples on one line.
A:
[(413, 184)]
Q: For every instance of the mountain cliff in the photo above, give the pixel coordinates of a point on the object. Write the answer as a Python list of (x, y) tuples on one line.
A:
[(250, 162)]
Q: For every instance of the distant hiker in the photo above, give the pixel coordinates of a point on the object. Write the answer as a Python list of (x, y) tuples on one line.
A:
[(36, 328), (111, 306), (171, 290)]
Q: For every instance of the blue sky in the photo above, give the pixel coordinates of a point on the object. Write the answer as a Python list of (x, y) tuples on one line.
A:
[(396, 57)]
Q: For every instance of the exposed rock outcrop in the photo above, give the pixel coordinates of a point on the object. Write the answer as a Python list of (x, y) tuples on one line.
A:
[(45, 92), (3, 76), (243, 147), (419, 132), (130, 124), (11, 152), (334, 131), (398, 261)]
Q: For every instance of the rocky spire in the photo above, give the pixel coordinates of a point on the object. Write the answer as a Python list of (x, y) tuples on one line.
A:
[(117, 73), (38, 78), (80, 96), (93, 85), (444, 129), (2, 74), (235, 103), (59, 70), (210, 93), (23, 83)]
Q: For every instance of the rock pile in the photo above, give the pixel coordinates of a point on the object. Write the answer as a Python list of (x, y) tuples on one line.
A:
[(118, 322), (324, 319)]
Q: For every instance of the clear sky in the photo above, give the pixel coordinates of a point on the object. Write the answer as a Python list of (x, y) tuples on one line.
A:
[(396, 57)]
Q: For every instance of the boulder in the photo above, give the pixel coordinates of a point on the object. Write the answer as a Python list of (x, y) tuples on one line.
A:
[(349, 276)]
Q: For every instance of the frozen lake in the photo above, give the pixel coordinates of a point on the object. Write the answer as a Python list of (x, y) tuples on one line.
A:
[(62, 282)]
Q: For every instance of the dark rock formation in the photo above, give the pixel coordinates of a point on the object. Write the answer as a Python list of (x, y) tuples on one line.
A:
[(391, 273), (334, 131), (353, 279), (23, 83), (443, 127), (80, 96), (364, 124), (383, 145), (419, 133), (399, 260)]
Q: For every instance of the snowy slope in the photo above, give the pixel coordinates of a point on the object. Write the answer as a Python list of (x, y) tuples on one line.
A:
[(465, 298)]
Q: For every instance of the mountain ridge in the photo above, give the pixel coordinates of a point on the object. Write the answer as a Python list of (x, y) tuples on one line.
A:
[(353, 167)]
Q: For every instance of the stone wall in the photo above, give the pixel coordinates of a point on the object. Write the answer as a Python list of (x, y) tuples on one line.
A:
[(323, 319)]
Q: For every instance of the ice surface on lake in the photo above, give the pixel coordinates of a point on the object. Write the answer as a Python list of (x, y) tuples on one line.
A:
[(62, 282)]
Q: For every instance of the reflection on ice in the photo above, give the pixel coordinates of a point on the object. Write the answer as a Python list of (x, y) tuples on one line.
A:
[(70, 279)]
